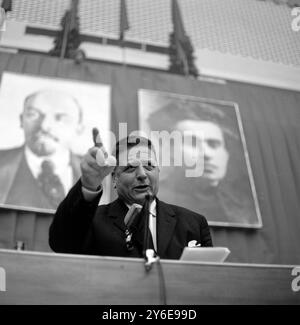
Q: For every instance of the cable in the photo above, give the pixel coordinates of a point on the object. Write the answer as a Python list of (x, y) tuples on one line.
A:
[(162, 283)]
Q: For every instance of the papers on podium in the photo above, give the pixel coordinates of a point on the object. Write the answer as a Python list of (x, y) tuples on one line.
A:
[(205, 254)]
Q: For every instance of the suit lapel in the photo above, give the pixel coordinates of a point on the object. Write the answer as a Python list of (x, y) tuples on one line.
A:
[(8, 172), (166, 221), (117, 211), (25, 191)]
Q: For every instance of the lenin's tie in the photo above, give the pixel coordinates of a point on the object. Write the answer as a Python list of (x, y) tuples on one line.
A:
[(51, 184)]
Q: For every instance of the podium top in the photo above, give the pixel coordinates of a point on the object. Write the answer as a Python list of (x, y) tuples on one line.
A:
[(48, 278)]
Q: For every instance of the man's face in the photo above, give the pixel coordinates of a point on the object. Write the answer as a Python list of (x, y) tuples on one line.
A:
[(50, 121), (137, 174), (215, 153)]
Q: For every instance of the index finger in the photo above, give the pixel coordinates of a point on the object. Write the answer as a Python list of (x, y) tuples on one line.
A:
[(96, 138), (98, 141)]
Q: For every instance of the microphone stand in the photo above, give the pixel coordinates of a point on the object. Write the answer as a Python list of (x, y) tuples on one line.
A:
[(148, 253)]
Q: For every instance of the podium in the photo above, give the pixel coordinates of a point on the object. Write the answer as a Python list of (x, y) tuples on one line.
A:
[(49, 278)]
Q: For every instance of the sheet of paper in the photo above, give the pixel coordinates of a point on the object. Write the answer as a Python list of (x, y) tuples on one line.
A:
[(205, 254)]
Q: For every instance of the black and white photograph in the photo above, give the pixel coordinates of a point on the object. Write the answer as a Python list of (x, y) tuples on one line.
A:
[(149, 157)]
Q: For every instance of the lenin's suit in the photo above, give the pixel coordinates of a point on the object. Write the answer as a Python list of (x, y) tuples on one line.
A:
[(82, 227), (18, 186)]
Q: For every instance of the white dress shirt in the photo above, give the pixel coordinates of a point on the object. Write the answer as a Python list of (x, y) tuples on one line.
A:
[(61, 163), (152, 223)]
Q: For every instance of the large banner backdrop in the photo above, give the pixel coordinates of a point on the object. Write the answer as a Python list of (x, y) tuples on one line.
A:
[(46, 126), (224, 192)]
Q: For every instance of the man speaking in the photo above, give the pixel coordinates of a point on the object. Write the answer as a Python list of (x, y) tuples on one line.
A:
[(80, 226)]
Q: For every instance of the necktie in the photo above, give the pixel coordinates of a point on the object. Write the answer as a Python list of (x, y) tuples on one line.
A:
[(51, 184), (138, 231)]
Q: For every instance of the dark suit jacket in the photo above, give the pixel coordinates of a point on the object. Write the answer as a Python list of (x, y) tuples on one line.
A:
[(82, 227), (18, 186)]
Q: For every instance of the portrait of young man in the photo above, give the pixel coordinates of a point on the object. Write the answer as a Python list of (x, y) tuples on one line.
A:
[(41, 167), (224, 192)]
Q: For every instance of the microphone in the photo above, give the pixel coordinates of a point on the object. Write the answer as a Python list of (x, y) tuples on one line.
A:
[(131, 214), (129, 220)]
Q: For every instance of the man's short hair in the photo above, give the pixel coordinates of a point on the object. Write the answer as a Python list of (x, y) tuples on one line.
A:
[(130, 142)]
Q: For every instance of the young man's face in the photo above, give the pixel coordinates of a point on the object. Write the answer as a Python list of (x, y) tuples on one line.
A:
[(50, 122), (215, 153), (137, 174)]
